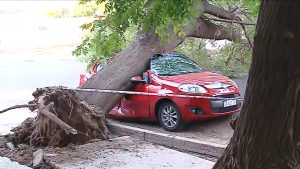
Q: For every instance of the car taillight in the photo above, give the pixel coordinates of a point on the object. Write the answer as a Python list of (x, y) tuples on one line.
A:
[(82, 80)]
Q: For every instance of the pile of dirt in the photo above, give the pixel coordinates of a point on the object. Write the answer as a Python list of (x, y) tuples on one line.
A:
[(62, 119), (22, 153)]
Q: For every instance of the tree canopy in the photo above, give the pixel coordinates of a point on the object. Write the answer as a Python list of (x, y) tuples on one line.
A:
[(125, 18)]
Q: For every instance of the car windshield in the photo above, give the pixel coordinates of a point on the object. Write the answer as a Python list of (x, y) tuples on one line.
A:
[(173, 64)]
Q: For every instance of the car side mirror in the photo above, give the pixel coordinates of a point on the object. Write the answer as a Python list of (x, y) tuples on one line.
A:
[(137, 80)]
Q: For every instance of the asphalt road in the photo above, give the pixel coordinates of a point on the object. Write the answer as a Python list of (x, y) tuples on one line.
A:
[(25, 72), (241, 83), (34, 52)]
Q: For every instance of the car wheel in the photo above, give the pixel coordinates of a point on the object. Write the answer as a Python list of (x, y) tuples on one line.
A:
[(169, 117)]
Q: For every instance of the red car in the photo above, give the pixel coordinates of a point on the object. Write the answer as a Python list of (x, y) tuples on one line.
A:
[(175, 74)]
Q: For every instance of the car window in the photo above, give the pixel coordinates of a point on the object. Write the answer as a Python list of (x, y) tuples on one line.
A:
[(173, 64)]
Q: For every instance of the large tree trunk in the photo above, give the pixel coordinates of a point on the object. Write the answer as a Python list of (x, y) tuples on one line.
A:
[(133, 60), (268, 130)]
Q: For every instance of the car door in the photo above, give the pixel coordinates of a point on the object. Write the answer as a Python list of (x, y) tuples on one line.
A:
[(136, 105)]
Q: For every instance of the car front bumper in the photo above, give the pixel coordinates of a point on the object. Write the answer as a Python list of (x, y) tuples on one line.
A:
[(200, 109)]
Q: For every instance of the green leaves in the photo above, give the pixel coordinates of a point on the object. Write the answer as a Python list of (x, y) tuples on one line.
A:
[(109, 36), (254, 6), (124, 18), (233, 59), (246, 6), (101, 43)]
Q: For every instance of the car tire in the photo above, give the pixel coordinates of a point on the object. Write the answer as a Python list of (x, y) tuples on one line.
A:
[(169, 117)]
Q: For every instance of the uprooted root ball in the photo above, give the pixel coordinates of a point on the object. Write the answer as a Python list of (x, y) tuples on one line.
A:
[(61, 119)]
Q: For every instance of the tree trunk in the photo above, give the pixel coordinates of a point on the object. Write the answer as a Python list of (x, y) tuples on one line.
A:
[(268, 130), (133, 60), (116, 75)]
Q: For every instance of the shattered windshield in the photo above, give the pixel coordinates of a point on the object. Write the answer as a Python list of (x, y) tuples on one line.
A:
[(173, 64)]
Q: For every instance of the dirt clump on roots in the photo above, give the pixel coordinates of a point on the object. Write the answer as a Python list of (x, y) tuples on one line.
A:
[(62, 119)]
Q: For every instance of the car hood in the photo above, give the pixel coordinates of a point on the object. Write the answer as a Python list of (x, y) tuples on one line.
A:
[(201, 78), (214, 83)]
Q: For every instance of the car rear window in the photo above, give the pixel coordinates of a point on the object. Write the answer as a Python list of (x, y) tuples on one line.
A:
[(173, 64)]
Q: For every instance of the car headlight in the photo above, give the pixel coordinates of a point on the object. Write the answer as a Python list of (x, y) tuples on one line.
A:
[(192, 88)]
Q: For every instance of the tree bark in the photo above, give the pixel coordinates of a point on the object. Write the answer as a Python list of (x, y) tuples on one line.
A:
[(267, 132), (134, 58)]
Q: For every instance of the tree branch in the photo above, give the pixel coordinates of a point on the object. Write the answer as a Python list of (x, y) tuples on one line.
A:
[(218, 12), (18, 107), (238, 22), (225, 16), (231, 21), (248, 38), (205, 29)]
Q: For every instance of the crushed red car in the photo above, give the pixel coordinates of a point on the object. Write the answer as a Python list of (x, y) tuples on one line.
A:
[(174, 73)]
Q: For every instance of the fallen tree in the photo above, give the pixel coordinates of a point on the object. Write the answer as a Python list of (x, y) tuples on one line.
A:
[(133, 60)]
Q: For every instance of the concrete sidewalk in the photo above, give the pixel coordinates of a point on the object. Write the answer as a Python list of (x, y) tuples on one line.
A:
[(124, 153), (203, 147), (216, 130)]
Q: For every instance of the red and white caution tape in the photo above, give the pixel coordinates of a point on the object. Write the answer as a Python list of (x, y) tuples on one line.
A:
[(155, 94)]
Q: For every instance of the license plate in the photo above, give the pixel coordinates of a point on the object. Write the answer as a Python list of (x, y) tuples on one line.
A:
[(230, 102)]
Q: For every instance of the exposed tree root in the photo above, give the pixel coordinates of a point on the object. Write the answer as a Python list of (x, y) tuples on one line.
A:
[(18, 107), (61, 119)]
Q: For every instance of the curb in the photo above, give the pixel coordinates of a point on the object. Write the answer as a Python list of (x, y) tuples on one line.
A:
[(177, 142)]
